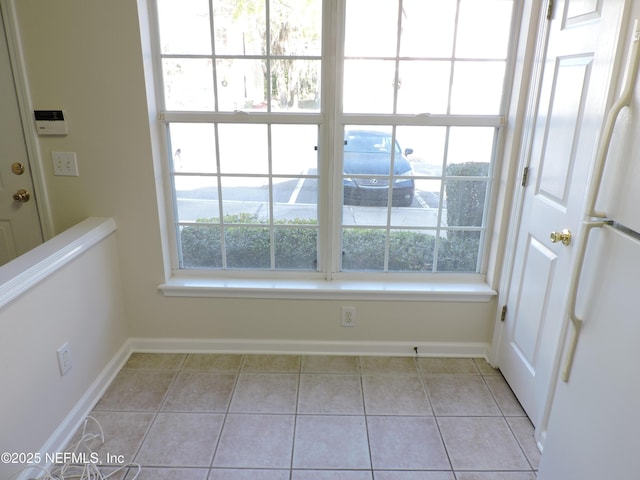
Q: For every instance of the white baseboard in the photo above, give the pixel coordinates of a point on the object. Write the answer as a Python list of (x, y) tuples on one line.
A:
[(65, 431), (308, 347)]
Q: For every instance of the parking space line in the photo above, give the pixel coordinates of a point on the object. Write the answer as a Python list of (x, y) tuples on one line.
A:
[(296, 191), (420, 200)]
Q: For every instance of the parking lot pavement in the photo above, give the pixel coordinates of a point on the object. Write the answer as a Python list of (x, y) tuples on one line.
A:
[(400, 216), (192, 210)]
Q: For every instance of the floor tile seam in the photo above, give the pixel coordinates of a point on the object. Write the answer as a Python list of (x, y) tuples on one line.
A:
[(268, 374), (485, 385), (120, 410), (261, 372), (184, 361), (425, 372), (435, 418), (210, 370), (428, 376), (144, 437), (517, 439), (332, 469), (319, 414), (226, 414), (158, 368), (425, 387), (157, 412), (366, 424), (284, 414), (171, 467), (513, 435), (494, 371), (406, 376), (412, 470), (493, 395), (475, 416), (493, 470), (193, 412), (295, 424), (147, 369), (512, 393), (166, 393)]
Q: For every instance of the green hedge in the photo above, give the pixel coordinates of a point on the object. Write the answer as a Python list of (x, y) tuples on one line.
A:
[(465, 198), (247, 245)]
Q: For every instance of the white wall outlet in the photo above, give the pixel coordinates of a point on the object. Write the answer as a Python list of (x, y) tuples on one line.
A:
[(64, 358), (348, 318), (65, 164)]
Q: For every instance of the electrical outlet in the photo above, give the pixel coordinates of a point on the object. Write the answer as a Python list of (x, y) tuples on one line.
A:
[(65, 164), (348, 318), (64, 358)]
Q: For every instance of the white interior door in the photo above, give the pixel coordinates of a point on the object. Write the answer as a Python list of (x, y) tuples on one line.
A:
[(574, 90), (20, 228)]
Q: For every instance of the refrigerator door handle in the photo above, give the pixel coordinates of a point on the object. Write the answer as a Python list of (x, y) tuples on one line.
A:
[(624, 100), (573, 294)]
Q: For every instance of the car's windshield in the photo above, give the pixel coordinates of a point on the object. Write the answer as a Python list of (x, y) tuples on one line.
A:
[(368, 142)]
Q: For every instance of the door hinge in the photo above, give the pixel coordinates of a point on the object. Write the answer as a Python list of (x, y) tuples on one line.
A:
[(503, 316), (525, 176), (550, 10)]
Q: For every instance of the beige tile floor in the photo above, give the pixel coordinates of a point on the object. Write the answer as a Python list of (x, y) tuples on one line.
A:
[(277, 417)]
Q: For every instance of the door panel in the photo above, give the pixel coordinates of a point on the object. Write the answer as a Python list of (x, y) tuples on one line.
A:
[(20, 229), (7, 246), (534, 285), (579, 11), (569, 93), (576, 77)]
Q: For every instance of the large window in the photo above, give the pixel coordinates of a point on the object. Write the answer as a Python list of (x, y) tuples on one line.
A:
[(332, 136)]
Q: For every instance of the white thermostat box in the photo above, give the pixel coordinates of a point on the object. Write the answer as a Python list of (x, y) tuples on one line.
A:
[(50, 122)]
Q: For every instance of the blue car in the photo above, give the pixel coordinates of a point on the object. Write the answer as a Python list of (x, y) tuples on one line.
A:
[(367, 161)]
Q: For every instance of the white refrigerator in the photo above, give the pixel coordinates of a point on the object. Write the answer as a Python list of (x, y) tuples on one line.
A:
[(594, 427)]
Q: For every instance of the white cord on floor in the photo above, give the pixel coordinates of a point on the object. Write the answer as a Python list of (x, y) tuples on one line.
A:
[(84, 449)]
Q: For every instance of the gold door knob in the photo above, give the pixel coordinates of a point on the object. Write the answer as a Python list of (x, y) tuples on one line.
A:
[(564, 237), (21, 196)]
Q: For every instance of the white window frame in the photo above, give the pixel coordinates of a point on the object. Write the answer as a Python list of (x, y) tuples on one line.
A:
[(327, 283)]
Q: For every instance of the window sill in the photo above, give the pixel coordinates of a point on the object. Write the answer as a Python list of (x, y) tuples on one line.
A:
[(467, 289)]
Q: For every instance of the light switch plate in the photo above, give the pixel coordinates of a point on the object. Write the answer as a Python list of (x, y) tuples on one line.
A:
[(65, 164)]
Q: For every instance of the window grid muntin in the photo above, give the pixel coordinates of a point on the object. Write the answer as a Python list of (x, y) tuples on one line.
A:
[(392, 120), (444, 178), (267, 58), (272, 222), (450, 120), (453, 59)]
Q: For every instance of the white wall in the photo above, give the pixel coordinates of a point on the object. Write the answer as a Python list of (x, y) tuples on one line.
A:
[(85, 56), (80, 303)]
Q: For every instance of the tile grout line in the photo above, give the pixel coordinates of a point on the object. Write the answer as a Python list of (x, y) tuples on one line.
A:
[(296, 413), (504, 417), (423, 382), (159, 407), (295, 420), (365, 416), (226, 414)]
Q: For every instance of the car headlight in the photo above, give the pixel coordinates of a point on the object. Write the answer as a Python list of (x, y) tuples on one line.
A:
[(406, 174)]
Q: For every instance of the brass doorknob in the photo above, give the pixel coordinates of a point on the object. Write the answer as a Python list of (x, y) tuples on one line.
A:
[(21, 196), (564, 237)]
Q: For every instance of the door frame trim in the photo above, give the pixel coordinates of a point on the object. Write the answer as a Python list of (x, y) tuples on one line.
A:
[(25, 107), (532, 50)]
